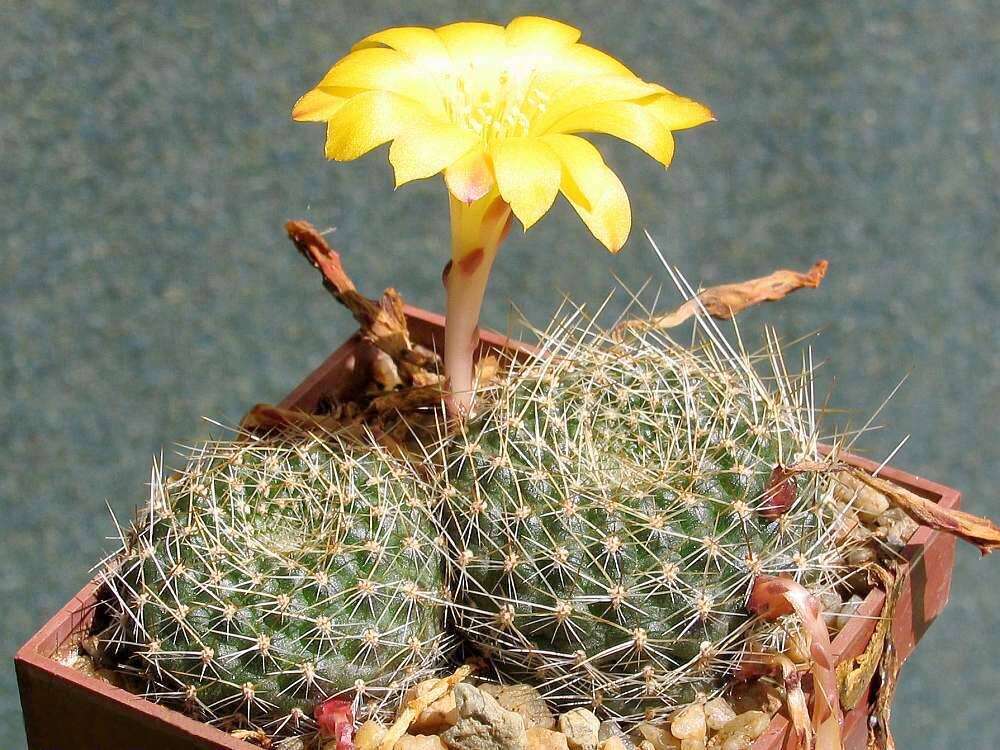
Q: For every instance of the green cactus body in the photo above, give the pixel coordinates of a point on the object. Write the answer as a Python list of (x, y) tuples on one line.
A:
[(605, 517), (272, 573)]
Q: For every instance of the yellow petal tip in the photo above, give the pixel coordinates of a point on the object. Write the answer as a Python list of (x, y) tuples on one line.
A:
[(316, 106), (298, 112), (528, 220)]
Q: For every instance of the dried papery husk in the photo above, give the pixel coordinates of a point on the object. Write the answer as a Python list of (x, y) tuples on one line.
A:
[(974, 529), (383, 322), (879, 732), (790, 674), (854, 675), (889, 663), (775, 597), (795, 699), (725, 301), (414, 707)]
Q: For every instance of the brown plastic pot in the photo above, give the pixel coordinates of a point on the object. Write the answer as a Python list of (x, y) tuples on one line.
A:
[(65, 709)]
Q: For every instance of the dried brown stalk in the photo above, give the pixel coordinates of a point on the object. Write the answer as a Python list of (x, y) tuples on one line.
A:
[(855, 674), (879, 732), (392, 373), (974, 529), (728, 300), (382, 322)]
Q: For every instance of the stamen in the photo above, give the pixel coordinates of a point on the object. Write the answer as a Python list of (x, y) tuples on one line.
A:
[(495, 112)]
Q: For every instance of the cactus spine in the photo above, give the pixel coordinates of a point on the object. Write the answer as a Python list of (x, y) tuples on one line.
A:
[(271, 573)]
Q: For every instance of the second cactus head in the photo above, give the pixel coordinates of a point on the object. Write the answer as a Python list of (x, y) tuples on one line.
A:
[(611, 507), (272, 573)]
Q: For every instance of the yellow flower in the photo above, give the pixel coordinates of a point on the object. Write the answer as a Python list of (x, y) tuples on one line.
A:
[(498, 108)]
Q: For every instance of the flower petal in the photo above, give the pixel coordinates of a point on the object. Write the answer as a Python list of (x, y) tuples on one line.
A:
[(594, 191), (421, 45), (583, 60), (630, 122), (470, 41), (536, 32), (677, 112), (425, 149), (589, 91), (380, 69), (528, 174), (317, 106), (368, 120), (471, 177), (578, 62)]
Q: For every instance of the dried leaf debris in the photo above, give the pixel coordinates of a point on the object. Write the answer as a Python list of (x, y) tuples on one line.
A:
[(726, 301), (976, 530)]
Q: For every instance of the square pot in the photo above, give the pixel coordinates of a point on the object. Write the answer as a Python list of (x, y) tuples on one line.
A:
[(64, 709)]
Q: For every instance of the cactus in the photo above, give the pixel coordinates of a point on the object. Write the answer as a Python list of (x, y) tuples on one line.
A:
[(271, 573), (611, 504), (605, 514)]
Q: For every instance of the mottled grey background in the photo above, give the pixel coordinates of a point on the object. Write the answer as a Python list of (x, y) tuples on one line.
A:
[(147, 162)]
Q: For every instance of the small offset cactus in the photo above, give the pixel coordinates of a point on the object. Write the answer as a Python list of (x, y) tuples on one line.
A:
[(611, 505), (272, 573)]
